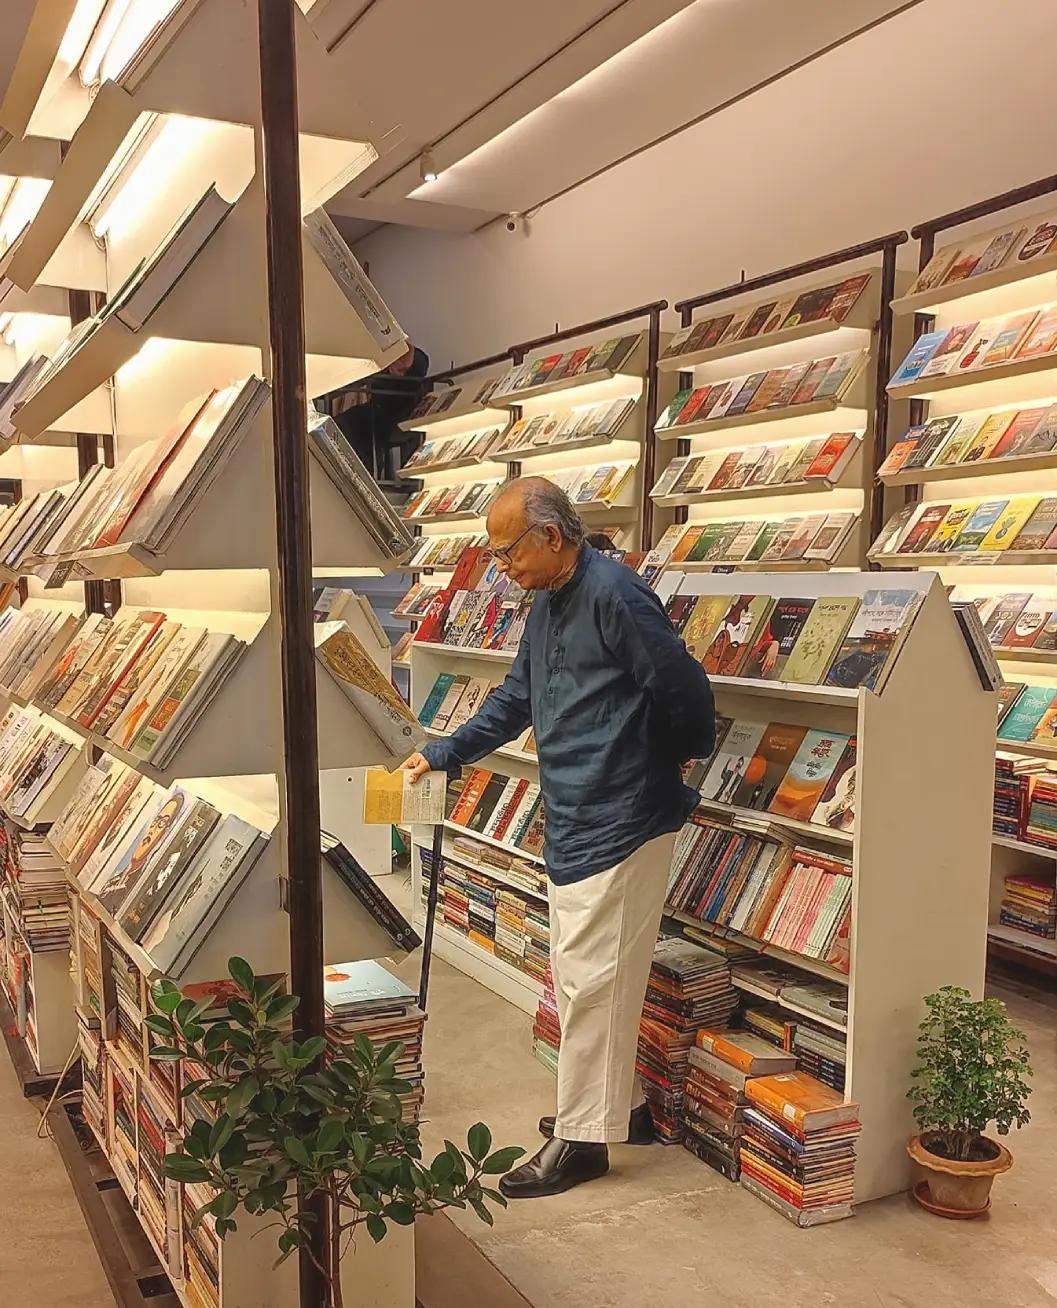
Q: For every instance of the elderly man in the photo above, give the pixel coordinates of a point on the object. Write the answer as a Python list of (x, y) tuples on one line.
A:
[(617, 705)]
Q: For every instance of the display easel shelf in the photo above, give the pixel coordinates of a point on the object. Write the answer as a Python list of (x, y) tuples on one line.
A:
[(1016, 285), (919, 849), (123, 181), (703, 356)]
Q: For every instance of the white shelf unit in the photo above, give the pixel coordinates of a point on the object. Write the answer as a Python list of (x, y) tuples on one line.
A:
[(866, 326), (919, 849), (221, 570), (1012, 287), (635, 378), (52, 1030)]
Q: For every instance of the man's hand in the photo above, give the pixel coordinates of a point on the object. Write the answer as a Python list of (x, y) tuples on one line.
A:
[(417, 765)]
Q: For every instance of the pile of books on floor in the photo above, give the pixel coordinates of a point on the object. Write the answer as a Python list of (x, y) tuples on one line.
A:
[(364, 998), (546, 1029), (36, 881), (798, 1147), (1030, 904), (721, 1063), (689, 988)]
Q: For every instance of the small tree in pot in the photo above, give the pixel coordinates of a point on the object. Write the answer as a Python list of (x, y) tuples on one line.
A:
[(284, 1124), (973, 1070)]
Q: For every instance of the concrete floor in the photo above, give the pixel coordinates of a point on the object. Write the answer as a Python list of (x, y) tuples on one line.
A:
[(661, 1228)]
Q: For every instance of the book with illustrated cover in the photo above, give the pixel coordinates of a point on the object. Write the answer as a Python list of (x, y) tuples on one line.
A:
[(373, 696), (744, 539), (736, 634), (1005, 534), (917, 357), (166, 867), (672, 409), (811, 381), (820, 638), (959, 440), (829, 540), (1038, 528), (469, 702), (949, 350), (730, 762), (840, 375), (932, 439), (979, 525), (1009, 332), (834, 456), (1042, 338), (935, 270), (1003, 615), (945, 537), (435, 698), (801, 788), (1018, 434), (836, 805), (987, 436), (1026, 714), (763, 773), (1029, 623), (170, 711), (703, 622), (1008, 694), (873, 639), (1043, 439), (776, 641), (806, 530), (998, 250), (749, 386)]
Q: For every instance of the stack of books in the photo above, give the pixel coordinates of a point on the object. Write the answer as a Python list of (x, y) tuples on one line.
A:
[(363, 998), (1040, 827), (537, 940), (1012, 792), (689, 988), (546, 1029), (1030, 904), (720, 1064), (36, 881), (798, 1148), (93, 1090), (821, 1053)]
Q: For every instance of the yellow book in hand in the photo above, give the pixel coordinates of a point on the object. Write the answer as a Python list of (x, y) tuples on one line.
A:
[(1009, 522)]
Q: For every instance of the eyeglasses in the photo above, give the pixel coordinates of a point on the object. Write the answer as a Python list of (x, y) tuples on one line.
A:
[(505, 552)]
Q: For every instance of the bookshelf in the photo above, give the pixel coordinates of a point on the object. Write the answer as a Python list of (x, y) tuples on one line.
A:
[(184, 116), (748, 467), (995, 393)]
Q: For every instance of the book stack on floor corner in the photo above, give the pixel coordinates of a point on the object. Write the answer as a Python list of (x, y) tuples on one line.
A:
[(798, 1148), (689, 987), (721, 1063), (546, 1028), (363, 998)]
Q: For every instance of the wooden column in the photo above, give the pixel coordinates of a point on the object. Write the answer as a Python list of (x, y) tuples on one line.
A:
[(278, 66)]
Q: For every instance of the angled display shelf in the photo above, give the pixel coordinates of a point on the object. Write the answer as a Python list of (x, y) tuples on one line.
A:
[(795, 353), (977, 467)]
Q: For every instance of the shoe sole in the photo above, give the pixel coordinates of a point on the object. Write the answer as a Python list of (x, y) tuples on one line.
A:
[(546, 1194)]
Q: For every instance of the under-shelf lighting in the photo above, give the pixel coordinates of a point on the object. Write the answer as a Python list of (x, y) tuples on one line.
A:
[(19, 205), (123, 28), (157, 150)]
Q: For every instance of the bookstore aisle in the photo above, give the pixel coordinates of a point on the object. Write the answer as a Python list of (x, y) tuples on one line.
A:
[(663, 1220)]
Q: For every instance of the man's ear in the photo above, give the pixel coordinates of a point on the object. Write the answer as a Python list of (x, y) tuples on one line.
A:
[(554, 537)]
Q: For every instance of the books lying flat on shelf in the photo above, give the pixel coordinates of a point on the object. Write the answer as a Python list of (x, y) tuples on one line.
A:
[(364, 999), (972, 348), (688, 987), (813, 463), (469, 448), (780, 388), (966, 528), (816, 537), (798, 1147), (1016, 245), (372, 694), (1029, 903), (982, 437), (369, 893), (543, 432), (608, 356), (358, 488), (833, 301)]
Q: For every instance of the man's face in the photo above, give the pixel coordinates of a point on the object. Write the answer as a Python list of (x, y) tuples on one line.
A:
[(531, 557)]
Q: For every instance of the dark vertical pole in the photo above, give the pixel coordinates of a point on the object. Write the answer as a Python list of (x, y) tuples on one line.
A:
[(80, 303), (282, 189), (874, 507), (922, 323), (435, 864), (649, 439)]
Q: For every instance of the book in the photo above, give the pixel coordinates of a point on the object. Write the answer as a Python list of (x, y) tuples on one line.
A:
[(1026, 714), (456, 688), (801, 788), (701, 625), (1029, 623), (873, 639), (146, 899), (358, 488), (730, 763), (369, 893), (1018, 434), (822, 634), (836, 804), (800, 1100), (1005, 533), (828, 541), (745, 1052), (433, 700), (1039, 526), (978, 526), (355, 285), (736, 635), (765, 770), (830, 462), (918, 356), (1041, 339), (770, 653), (373, 696), (946, 355), (1011, 330), (1004, 614)]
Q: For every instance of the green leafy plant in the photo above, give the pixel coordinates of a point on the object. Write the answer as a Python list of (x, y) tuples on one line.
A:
[(287, 1124), (973, 1070)]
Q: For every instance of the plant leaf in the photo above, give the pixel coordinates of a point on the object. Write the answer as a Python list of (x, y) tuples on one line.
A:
[(502, 1160), (478, 1141)]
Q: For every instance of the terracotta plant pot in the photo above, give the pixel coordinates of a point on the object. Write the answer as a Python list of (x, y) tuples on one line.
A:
[(957, 1189)]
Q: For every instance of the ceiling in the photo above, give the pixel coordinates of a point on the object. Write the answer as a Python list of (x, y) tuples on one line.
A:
[(517, 103)]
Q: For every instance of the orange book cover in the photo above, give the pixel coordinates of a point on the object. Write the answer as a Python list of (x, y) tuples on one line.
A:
[(800, 1101), (687, 541), (471, 796), (742, 1049)]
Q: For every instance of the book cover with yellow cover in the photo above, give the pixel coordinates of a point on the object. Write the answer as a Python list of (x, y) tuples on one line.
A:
[(1007, 526), (703, 622), (371, 693), (945, 536), (800, 1100), (821, 636)]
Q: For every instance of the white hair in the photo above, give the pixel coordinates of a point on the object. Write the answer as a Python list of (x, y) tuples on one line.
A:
[(547, 505)]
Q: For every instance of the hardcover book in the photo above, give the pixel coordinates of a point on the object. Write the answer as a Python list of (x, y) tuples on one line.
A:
[(373, 696)]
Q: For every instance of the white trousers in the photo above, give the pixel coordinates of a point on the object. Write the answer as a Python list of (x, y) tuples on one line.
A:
[(603, 931)]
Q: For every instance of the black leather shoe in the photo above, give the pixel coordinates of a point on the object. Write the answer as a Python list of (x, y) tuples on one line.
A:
[(640, 1126), (558, 1166)]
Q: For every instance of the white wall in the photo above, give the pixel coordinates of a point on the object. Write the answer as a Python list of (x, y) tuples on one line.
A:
[(951, 102)]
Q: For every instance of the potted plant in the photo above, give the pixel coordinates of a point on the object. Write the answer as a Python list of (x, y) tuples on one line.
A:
[(287, 1125), (973, 1070)]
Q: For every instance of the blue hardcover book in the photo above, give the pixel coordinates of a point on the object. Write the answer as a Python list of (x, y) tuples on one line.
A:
[(983, 519), (920, 353)]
